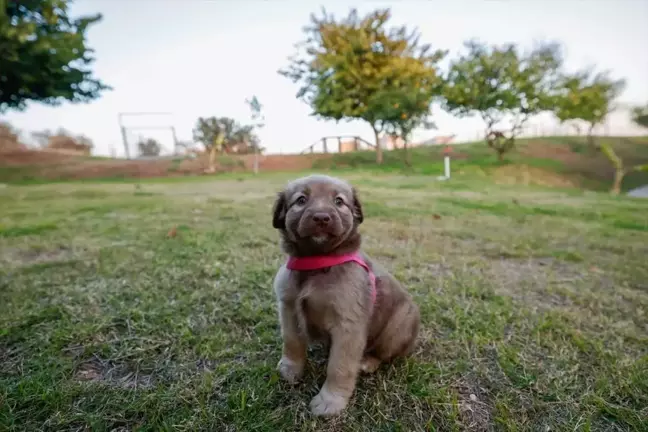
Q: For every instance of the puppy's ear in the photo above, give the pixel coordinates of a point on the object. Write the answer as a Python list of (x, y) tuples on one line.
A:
[(279, 212), (357, 208)]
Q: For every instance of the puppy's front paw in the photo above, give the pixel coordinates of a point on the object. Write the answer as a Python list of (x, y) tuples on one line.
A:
[(290, 370), (327, 403)]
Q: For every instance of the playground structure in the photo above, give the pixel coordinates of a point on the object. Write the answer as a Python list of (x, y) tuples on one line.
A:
[(350, 143), (345, 144), (156, 122)]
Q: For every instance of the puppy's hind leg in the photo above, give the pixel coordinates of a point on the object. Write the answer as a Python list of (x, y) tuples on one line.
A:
[(369, 364), (399, 335)]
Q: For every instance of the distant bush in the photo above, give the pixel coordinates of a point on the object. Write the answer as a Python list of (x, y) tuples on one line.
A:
[(9, 138), (78, 144), (149, 147), (64, 141), (230, 163)]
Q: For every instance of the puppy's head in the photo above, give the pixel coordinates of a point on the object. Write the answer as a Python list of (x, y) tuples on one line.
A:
[(317, 214)]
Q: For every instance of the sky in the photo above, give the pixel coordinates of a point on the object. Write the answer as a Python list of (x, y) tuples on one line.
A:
[(196, 58)]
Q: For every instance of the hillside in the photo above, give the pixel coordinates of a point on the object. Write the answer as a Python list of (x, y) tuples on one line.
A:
[(548, 161), (20, 167)]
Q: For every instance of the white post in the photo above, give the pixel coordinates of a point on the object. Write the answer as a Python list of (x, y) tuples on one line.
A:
[(447, 167)]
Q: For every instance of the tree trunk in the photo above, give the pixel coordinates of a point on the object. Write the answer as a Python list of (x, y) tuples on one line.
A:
[(590, 137), (379, 155), (619, 174), (406, 153), (500, 154), (212, 160), (577, 128)]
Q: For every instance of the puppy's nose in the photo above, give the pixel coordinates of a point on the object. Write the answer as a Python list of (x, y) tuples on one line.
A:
[(321, 218)]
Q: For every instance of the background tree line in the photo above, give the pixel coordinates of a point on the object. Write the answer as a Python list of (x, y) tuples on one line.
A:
[(360, 68), (354, 68)]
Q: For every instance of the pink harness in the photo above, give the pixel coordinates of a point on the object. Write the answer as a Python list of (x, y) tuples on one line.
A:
[(324, 261)]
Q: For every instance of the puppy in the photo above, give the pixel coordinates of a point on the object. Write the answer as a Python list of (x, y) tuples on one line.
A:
[(330, 291)]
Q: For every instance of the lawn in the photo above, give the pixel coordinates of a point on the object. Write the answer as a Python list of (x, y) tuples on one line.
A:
[(150, 307)]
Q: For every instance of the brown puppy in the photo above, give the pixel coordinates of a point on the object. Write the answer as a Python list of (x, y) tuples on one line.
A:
[(319, 216)]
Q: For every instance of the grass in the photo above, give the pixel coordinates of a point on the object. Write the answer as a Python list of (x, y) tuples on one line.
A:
[(534, 305)]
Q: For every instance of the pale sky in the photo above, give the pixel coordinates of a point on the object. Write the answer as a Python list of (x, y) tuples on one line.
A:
[(202, 58)]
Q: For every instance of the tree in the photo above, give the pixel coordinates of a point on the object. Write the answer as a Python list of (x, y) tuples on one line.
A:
[(244, 141), (640, 116), (64, 140), (224, 135), (587, 97), (149, 147), (259, 119), (620, 170), (44, 54), (346, 67), (42, 137), (500, 83), (407, 109), (9, 137)]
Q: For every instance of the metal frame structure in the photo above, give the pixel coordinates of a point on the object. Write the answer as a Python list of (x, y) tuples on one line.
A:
[(357, 142), (124, 129)]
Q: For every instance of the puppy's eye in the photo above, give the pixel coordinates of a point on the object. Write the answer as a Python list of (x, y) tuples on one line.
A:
[(301, 200), (339, 202)]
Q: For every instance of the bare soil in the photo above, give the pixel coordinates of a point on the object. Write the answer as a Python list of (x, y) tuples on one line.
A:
[(56, 166)]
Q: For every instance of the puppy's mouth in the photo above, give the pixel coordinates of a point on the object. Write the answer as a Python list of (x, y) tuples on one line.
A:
[(319, 235), (321, 238)]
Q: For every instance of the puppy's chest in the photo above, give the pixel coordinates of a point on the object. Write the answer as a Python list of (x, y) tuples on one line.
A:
[(317, 300)]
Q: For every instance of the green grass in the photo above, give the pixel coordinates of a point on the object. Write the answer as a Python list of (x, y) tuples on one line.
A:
[(534, 306)]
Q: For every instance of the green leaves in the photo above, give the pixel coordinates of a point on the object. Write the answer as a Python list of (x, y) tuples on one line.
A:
[(224, 135), (358, 68), (44, 55), (587, 97), (497, 82), (256, 109), (640, 116)]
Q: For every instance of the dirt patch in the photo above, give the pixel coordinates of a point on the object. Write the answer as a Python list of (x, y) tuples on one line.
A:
[(283, 162), (112, 374), (474, 409), (587, 163), (527, 280), (544, 150), (527, 175), (56, 166), (33, 256), (31, 157)]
